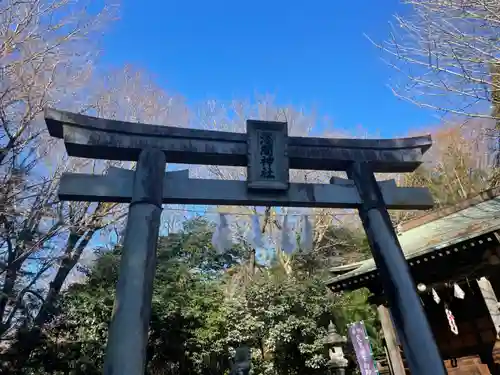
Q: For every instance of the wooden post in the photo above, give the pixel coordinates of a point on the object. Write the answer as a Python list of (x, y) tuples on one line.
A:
[(491, 302), (419, 346), (396, 362), (128, 332)]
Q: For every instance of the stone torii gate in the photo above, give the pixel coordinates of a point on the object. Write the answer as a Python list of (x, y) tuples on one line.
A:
[(268, 152)]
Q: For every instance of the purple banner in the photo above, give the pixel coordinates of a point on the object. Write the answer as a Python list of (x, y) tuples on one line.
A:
[(362, 348)]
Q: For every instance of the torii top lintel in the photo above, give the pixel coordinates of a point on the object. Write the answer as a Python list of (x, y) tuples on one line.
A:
[(92, 137)]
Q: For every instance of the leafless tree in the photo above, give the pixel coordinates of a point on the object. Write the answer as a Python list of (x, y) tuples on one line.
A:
[(63, 231), (47, 54), (447, 56), (458, 166), (44, 45), (47, 50)]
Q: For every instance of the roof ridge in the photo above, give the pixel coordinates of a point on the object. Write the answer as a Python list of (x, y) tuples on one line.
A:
[(441, 212)]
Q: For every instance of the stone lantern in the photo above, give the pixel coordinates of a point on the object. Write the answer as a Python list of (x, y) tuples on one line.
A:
[(242, 361), (335, 342)]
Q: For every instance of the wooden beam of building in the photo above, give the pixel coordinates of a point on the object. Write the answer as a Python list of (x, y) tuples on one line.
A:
[(178, 188), (391, 342), (98, 138)]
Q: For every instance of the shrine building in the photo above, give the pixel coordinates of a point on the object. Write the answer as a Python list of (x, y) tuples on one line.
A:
[(454, 257)]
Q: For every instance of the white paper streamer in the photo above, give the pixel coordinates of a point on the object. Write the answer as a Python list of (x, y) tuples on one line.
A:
[(435, 296), (458, 292), (255, 237), (221, 239), (306, 236), (451, 321), (288, 243)]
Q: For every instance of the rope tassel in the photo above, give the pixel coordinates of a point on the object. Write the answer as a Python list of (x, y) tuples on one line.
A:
[(256, 234), (221, 239), (288, 243), (306, 236)]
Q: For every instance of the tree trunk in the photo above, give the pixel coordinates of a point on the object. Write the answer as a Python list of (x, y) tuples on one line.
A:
[(18, 354)]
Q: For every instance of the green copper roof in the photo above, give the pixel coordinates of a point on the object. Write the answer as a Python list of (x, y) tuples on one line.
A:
[(442, 232)]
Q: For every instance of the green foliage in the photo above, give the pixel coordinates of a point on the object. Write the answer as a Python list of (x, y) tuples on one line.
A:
[(195, 323), (284, 319), (353, 307)]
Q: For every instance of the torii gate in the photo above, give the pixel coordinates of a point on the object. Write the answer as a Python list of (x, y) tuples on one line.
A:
[(268, 152)]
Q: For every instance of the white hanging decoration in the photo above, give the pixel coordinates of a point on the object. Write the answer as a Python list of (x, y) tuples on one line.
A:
[(306, 236), (458, 292), (256, 234), (435, 296), (451, 321), (221, 239), (288, 243)]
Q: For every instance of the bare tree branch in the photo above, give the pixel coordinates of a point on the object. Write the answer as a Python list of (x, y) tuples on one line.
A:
[(446, 54)]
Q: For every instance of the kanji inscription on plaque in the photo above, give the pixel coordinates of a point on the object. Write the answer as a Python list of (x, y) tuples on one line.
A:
[(267, 155)]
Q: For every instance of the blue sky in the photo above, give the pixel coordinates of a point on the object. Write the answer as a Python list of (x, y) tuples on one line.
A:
[(310, 54)]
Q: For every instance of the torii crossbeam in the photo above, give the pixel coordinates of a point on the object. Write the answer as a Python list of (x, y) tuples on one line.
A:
[(268, 152)]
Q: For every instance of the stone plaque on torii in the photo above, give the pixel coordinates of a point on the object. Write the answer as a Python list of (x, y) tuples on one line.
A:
[(268, 152)]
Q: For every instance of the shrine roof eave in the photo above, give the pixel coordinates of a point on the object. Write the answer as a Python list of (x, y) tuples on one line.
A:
[(466, 223)]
